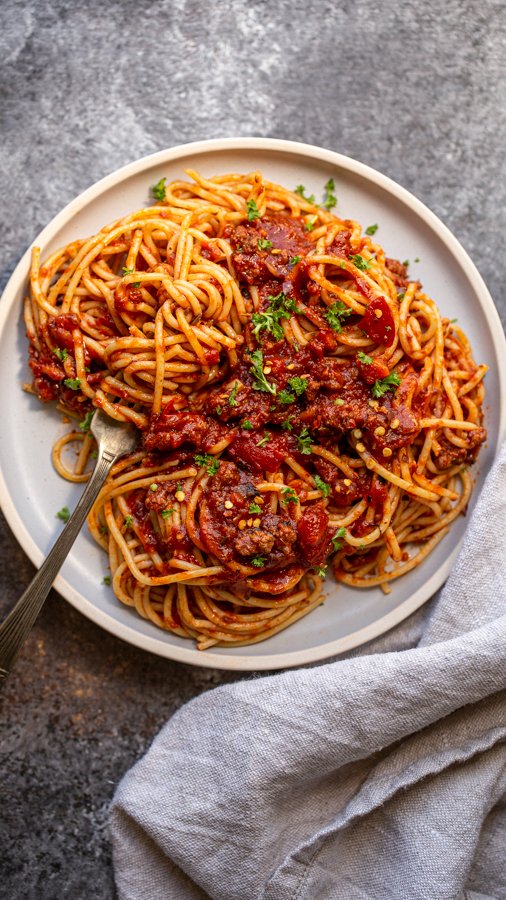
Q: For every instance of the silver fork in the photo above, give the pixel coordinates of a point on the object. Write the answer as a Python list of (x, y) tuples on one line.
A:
[(114, 439)]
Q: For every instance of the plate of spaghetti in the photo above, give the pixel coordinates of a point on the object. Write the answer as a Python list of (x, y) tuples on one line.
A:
[(288, 331)]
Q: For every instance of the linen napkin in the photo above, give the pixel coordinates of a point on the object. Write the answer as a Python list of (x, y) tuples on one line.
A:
[(376, 776)]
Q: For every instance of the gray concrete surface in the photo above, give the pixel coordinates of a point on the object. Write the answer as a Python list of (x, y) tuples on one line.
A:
[(416, 90)]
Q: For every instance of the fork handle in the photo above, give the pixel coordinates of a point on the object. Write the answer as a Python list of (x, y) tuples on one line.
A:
[(18, 624)]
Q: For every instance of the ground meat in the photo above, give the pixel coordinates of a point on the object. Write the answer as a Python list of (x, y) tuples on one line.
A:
[(398, 272), (451, 455), (254, 541)]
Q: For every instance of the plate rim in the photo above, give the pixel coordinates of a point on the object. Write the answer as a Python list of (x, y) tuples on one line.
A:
[(190, 655)]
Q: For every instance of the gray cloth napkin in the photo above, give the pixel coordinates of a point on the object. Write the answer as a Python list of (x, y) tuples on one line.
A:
[(376, 776)]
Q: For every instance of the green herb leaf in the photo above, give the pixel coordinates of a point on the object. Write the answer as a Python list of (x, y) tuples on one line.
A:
[(416, 259), (106, 580), (360, 262), (320, 570), (63, 514), (286, 397), (73, 383), (128, 271), (299, 385), (255, 508), (300, 191), (128, 521), (158, 189), (265, 440), (366, 360), (371, 229), (405, 263), (304, 442), (264, 244), (322, 485), (218, 410), (453, 320), (231, 400), (84, 425), (153, 487), (338, 401), (310, 223), (336, 314), (340, 533), (286, 425), (165, 513), (294, 260), (261, 383), (252, 211), (210, 462), (289, 496), (330, 198), (390, 383), (258, 561), (247, 425), (61, 354)]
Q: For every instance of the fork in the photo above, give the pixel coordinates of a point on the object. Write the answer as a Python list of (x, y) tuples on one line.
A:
[(114, 440)]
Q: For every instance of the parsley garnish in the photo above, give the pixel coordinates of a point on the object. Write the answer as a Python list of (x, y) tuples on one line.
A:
[(128, 521), (231, 400), (338, 401), (320, 570), (405, 263), (261, 383), (335, 314), (258, 561), (453, 320), (366, 360), (86, 422), (360, 262), (247, 425), (371, 229), (286, 397), (153, 487), (106, 580), (158, 189), (322, 485), (73, 383), (255, 508), (390, 383), (265, 440), (218, 410), (165, 513), (287, 425), (304, 442), (330, 198), (128, 271), (210, 462), (63, 514), (252, 211), (416, 259), (280, 307), (61, 354), (310, 223), (289, 495), (300, 191), (299, 385), (294, 260), (264, 244), (340, 533)]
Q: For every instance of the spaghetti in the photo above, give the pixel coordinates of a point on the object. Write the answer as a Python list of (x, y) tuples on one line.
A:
[(301, 401)]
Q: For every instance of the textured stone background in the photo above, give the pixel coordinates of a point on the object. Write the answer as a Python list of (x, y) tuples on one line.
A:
[(416, 90)]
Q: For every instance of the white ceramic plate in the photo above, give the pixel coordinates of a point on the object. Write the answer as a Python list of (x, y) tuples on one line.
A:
[(31, 492)]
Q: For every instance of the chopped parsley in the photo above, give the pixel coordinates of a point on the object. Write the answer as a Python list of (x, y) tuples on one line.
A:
[(210, 462), (299, 385), (218, 410), (106, 580), (158, 189), (416, 259), (86, 422), (321, 571), (371, 229), (338, 401), (322, 485), (310, 223), (453, 320), (336, 542), (265, 440), (335, 315), (128, 521), (280, 307), (300, 191), (63, 514), (304, 442), (165, 513), (61, 354), (330, 198), (153, 487), (255, 508), (264, 244), (231, 400), (128, 271), (261, 383), (286, 397), (247, 425), (360, 262), (364, 358), (294, 260), (287, 425), (390, 383), (405, 263), (258, 561), (289, 495), (73, 383), (252, 211)]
